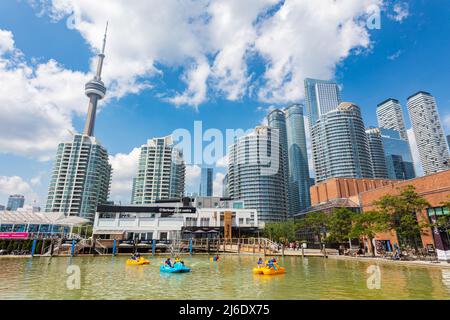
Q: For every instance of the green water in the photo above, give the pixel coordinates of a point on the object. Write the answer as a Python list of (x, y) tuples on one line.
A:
[(231, 278)]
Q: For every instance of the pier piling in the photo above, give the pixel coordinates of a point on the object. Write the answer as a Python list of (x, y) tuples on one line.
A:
[(33, 248)]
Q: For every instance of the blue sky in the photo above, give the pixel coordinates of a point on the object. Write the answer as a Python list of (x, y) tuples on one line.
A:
[(167, 70)]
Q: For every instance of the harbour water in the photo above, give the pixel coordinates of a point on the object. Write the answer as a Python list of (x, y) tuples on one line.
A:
[(230, 278)]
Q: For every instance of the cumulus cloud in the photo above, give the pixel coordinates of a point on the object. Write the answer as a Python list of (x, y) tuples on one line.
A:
[(400, 11), (213, 42), (415, 152), (218, 184), (193, 174), (17, 185), (36, 102), (124, 170)]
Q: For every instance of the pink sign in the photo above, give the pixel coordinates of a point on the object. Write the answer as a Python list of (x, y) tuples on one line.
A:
[(14, 235)]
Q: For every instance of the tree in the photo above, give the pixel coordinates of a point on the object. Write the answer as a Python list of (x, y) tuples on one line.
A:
[(368, 224), (339, 225), (316, 223), (281, 231), (402, 210)]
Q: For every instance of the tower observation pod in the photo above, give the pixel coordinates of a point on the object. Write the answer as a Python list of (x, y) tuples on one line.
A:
[(95, 90)]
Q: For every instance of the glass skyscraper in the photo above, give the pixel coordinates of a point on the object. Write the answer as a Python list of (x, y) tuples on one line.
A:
[(390, 116), (430, 138), (255, 175), (321, 96), (161, 172), (277, 120), (340, 146), (399, 161), (15, 201), (206, 182), (299, 179), (377, 154)]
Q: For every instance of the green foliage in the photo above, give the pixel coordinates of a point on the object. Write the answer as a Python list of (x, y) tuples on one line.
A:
[(402, 210), (339, 225), (316, 223), (281, 231)]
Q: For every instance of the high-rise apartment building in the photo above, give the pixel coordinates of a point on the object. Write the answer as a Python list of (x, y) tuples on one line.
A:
[(277, 121), (377, 155), (15, 201), (161, 172), (430, 138), (321, 96), (82, 174), (206, 182), (399, 161), (299, 179), (256, 175), (390, 116), (339, 145)]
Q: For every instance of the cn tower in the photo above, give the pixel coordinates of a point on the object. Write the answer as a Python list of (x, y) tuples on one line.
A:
[(95, 90)]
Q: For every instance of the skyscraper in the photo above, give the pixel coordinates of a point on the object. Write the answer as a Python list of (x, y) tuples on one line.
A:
[(430, 138), (277, 120), (321, 96), (206, 182), (299, 179), (390, 116), (82, 174), (448, 140), (15, 201), (161, 172), (339, 144), (399, 161), (255, 175), (377, 155)]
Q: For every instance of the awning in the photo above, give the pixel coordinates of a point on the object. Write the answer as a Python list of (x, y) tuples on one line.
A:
[(108, 232)]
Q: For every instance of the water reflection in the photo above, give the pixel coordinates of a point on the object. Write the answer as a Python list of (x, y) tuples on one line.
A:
[(230, 278)]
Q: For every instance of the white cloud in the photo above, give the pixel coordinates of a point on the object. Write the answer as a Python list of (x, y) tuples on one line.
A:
[(395, 55), (193, 174), (124, 170), (218, 184), (308, 39), (36, 102), (415, 152), (16, 185), (222, 162), (212, 41), (6, 41), (400, 12)]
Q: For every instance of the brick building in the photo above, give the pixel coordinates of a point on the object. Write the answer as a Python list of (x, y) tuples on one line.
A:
[(435, 189)]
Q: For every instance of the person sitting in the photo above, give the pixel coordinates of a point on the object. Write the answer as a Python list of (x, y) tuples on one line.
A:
[(133, 256), (137, 255), (260, 263), (169, 263)]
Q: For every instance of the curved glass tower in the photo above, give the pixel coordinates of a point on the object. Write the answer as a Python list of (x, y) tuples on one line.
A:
[(377, 154), (299, 179), (340, 146), (256, 176)]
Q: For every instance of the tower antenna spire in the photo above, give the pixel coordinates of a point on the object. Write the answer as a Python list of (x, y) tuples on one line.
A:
[(104, 39), (95, 90)]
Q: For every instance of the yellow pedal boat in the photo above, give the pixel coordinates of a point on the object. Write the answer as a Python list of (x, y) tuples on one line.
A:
[(270, 271), (139, 262), (258, 270)]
